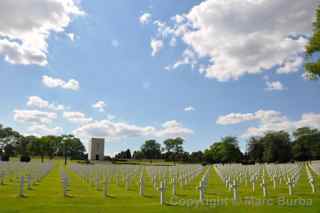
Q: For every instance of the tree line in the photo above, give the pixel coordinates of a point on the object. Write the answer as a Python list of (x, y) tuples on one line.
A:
[(272, 147), (13, 144)]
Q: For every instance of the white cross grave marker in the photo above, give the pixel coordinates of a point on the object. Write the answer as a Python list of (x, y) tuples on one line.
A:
[(21, 186), (162, 190)]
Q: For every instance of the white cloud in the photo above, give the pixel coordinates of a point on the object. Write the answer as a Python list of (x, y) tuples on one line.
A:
[(71, 36), (71, 85), (40, 130), (274, 86), (263, 115), (37, 102), (145, 18), (270, 121), (51, 82), (291, 65), (107, 128), (76, 117), (111, 129), (100, 105), (35, 117), (241, 37), (189, 109), (156, 46), (235, 118), (172, 129), (26, 25)]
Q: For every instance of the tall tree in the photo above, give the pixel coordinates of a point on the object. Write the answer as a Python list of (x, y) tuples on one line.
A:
[(225, 151), (124, 154), (312, 66), (138, 155), (306, 145), (277, 147), (151, 149), (74, 148), (174, 148), (196, 157), (255, 148)]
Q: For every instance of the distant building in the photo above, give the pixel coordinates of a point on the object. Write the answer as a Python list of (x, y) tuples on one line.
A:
[(96, 149)]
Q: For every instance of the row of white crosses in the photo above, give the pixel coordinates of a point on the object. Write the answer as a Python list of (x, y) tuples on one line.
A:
[(65, 182), (236, 175), (284, 173), (25, 174), (315, 166), (104, 175), (311, 179), (176, 175), (203, 184), (129, 175)]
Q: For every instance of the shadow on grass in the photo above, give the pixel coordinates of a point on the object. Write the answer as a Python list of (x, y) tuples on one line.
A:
[(148, 196), (110, 196)]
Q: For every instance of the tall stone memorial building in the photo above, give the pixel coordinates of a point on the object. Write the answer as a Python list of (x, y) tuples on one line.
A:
[(96, 149)]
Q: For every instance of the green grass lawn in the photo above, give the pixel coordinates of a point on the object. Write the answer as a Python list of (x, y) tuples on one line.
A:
[(48, 197)]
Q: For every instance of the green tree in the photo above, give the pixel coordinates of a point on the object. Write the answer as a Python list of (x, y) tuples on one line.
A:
[(277, 147), (36, 147), (306, 145), (51, 144), (151, 149), (255, 149), (8, 137), (124, 154), (224, 151), (138, 155), (196, 157), (66, 143), (312, 65), (174, 148)]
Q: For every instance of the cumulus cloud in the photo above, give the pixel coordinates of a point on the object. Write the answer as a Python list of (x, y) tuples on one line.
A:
[(189, 109), (269, 120), (51, 82), (35, 117), (41, 130), (156, 46), (100, 105), (145, 18), (291, 65), (172, 129), (274, 86), (235, 118), (76, 117), (37, 102), (26, 25), (108, 128), (240, 37)]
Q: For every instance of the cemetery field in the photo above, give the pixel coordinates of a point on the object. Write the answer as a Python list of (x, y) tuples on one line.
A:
[(81, 188)]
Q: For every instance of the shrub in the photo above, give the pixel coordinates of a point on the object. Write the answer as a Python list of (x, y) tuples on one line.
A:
[(25, 158), (5, 158)]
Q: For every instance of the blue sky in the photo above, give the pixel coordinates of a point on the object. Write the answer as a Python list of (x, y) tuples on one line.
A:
[(105, 50)]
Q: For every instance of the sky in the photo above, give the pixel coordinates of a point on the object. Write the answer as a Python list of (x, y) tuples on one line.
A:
[(129, 71)]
